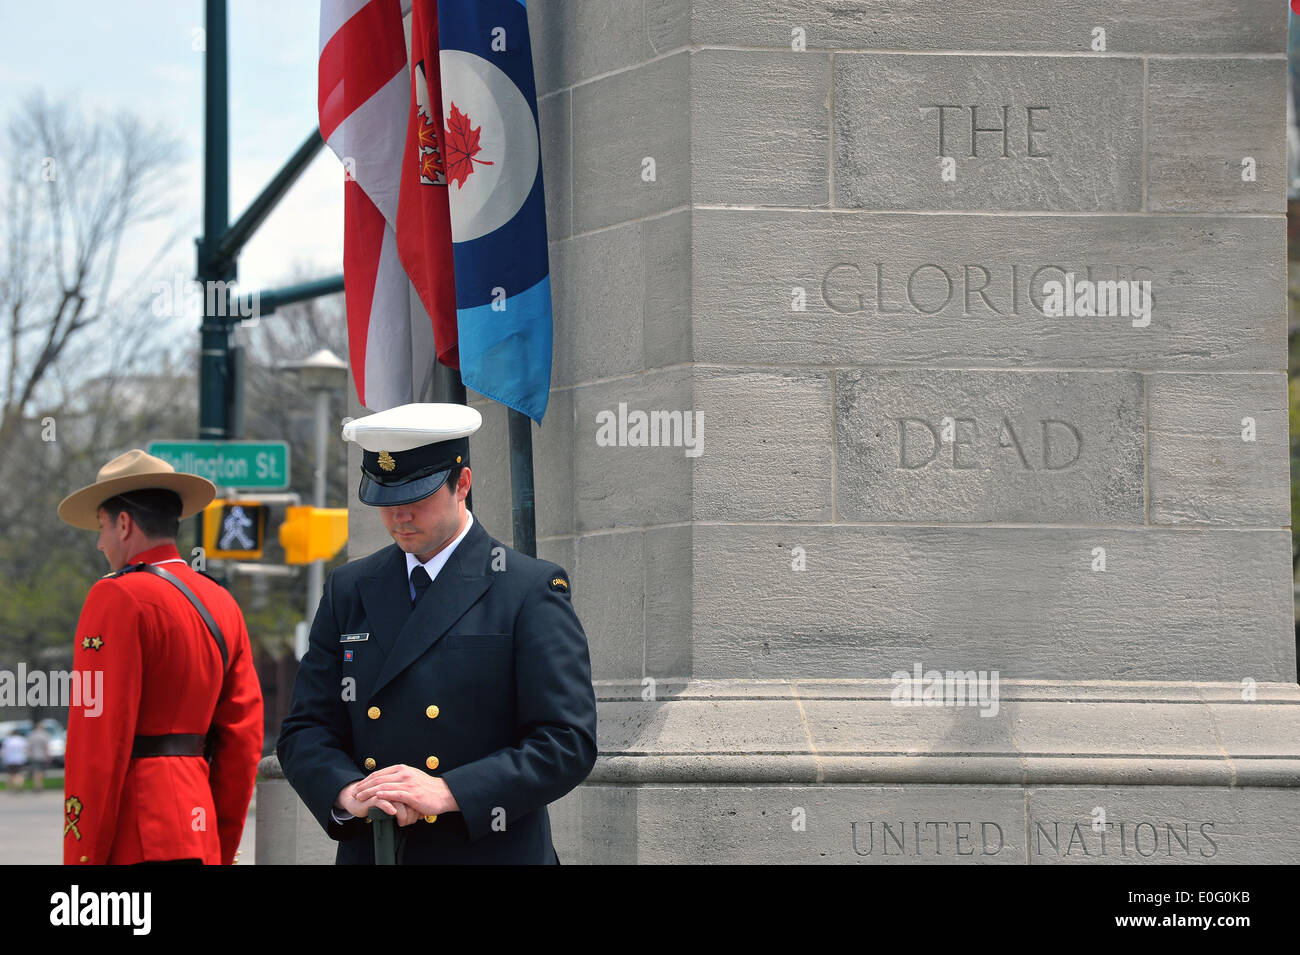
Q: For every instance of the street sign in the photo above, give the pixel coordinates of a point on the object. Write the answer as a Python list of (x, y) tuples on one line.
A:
[(260, 465)]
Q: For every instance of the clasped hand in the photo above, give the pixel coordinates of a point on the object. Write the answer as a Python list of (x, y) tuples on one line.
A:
[(403, 791)]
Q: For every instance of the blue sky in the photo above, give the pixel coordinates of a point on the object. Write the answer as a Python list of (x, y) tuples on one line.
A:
[(140, 55)]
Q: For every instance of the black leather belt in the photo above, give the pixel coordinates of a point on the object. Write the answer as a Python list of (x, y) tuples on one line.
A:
[(173, 744), (180, 744)]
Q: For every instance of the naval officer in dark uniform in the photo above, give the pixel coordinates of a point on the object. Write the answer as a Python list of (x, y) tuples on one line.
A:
[(447, 680)]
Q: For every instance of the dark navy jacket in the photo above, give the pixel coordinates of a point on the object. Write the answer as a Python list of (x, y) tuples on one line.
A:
[(489, 675)]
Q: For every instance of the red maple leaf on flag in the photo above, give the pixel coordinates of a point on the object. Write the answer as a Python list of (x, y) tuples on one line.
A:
[(462, 146)]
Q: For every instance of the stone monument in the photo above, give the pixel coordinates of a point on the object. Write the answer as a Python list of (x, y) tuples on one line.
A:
[(918, 440)]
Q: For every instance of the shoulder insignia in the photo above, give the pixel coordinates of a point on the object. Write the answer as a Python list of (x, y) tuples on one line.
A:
[(560, 584), (91, 643)]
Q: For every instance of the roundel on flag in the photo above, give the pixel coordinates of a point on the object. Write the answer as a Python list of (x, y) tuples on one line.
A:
[(493, 153)]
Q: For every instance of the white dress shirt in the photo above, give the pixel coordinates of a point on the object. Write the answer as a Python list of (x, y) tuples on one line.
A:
[(438, 560), (431, 566)]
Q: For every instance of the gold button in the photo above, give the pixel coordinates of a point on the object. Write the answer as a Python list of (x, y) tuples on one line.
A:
[(85, 858), (367, 819), (373, 712), (431, 712), (370, 762), (432, 762), (433, 818)]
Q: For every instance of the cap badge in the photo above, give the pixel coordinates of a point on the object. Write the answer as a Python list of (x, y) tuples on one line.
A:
[(386, 461)]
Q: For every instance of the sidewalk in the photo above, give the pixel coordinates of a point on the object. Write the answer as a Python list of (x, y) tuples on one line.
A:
[(31, 829)]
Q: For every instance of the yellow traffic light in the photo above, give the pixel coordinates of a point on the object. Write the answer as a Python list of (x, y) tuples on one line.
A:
[(313, 533), (234, 530)]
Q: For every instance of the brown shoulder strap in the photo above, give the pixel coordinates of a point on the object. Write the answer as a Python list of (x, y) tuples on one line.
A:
[(189, 594)]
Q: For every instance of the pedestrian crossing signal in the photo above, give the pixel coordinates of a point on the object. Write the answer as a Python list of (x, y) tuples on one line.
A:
[(234, 530)]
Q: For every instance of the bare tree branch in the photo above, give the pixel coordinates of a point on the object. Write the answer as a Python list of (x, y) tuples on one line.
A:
[(98, 184)]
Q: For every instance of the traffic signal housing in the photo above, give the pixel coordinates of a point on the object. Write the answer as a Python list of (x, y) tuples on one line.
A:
[(234, 530), (313, 533)]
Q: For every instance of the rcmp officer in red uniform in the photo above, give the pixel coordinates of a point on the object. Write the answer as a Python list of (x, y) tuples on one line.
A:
[(447, 680), (137, 787)]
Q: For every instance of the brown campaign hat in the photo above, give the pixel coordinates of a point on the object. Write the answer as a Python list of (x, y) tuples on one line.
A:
[(134, 471)]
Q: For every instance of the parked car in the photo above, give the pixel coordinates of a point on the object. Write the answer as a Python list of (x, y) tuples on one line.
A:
[(58, 735), (58, 740)]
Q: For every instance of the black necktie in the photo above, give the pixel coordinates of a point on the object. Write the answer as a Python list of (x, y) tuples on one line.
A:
[(421, 581)]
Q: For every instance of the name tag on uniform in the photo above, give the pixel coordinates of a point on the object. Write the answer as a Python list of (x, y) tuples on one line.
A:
[(354, 637)]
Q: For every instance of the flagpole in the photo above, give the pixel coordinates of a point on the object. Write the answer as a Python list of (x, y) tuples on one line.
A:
[(450, 387), (521, 482)]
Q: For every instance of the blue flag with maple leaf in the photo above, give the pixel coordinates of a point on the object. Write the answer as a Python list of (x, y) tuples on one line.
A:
[(493, 165)]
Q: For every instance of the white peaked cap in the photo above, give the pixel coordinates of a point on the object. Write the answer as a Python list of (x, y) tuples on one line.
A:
[(407, 427)]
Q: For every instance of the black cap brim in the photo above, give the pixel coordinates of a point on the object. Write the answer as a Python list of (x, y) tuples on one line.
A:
[(375, 494)]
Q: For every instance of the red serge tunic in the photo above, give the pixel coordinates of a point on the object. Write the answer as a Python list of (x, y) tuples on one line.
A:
[(146, 665)]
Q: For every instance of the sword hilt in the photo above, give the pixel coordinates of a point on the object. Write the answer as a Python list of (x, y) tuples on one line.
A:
[(385, 827)]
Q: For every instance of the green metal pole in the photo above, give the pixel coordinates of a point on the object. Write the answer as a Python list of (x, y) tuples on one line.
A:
[(220, 367), (228, 246), (268, 302), (215, 329)]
